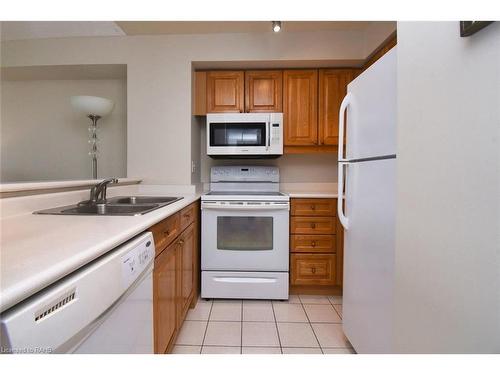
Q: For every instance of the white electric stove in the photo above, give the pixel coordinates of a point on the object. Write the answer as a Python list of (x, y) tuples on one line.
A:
[(245, 229)]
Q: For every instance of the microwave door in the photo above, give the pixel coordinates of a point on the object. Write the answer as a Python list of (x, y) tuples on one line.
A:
[(237, 134)]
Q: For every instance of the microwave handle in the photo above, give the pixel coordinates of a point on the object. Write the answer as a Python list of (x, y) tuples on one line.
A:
[(268, 135)]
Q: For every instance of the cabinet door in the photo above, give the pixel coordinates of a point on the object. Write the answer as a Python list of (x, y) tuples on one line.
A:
[(332, 90), (225, 90), (186, 250), (300, 107), (164, 292), (263, 90)]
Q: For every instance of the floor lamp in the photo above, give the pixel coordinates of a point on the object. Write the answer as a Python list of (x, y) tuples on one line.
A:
[(94, 107)]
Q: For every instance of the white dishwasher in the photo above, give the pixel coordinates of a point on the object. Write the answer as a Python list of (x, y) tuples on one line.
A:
[(103, 307)]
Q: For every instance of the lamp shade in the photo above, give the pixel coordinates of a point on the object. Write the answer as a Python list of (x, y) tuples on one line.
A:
[(92, 105)]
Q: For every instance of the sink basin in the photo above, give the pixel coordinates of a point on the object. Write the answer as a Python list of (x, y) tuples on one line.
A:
[(142, 200), (117, 206), (110, 209)]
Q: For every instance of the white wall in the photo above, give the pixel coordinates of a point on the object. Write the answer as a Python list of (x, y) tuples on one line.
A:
[(44, 139), (448, 193), (159, 138)]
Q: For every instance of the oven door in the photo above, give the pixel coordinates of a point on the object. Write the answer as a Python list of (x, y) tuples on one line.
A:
[(244, 236)]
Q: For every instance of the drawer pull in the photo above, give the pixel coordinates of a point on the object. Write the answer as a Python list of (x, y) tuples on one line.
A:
[(313, 270), (313, 243), (166, 233), (313, 225), (181, 242), (313, 207)]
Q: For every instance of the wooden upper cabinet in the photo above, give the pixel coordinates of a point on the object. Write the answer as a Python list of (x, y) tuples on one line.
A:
[(332, 90), (300, 107), (263, 90), (225, 91)]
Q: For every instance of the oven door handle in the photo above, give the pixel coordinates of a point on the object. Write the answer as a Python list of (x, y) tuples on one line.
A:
[(245, 207)]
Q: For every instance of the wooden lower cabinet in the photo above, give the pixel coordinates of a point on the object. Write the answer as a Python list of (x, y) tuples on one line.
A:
[(316, 248), (185, 274), (175, 275), (164, 297), (313, 269)]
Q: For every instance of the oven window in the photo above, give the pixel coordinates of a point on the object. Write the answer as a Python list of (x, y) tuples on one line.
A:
[(244, 233), (238, 134)]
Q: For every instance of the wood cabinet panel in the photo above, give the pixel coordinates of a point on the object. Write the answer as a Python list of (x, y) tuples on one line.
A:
[(263, 91), (313, 243), (175, 275), (312, 225), (332, 90), (185, 275), (313, 207), (225, 91), (165, 298), (165, 232), (300, 107), (187, 216), (200, 94), (313, 269)]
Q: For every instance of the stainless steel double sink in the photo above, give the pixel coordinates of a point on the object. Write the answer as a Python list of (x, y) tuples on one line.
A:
[(116, 206)]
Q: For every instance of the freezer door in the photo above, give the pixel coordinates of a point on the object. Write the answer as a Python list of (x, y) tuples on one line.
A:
[(369, 255), (372, 113)]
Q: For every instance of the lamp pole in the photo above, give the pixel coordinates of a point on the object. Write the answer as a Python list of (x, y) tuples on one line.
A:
[(93, 144)]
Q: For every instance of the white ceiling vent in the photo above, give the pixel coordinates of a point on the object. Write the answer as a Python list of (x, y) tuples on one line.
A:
[(56, 305)]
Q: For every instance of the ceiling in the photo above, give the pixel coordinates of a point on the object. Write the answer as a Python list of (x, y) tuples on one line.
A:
[(18, 30), (213, 27)]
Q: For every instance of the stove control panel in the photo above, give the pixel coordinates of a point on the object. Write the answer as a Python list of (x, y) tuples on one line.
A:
[(244, 173)]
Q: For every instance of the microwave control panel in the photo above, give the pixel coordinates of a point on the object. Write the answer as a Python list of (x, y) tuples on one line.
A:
[(275, 129)]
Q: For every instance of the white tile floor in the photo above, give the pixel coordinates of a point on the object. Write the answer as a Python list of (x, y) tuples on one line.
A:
[(301, 325)]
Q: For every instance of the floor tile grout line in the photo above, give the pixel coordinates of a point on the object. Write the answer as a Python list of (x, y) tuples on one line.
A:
[(334, 308), (206, 327), (277, 329), (241, 329), (312, 328)]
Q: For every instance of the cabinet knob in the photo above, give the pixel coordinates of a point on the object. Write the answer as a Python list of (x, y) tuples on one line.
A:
[(166, 233), (181, 242), (313, 207), (313, 244)]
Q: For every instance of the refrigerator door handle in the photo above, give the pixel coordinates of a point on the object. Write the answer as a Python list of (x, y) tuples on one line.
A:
[(343, 106), (340, 186), (340, 196)]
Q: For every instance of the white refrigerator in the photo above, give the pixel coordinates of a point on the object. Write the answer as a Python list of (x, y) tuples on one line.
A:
[(366, 205)]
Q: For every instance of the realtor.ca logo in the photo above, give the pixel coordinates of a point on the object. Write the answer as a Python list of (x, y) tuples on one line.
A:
[(32, 350)]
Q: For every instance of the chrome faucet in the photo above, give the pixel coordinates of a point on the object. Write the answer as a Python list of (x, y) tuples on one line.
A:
[(98, 192)]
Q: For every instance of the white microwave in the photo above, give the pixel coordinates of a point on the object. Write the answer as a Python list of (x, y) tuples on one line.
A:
[(245, 135)]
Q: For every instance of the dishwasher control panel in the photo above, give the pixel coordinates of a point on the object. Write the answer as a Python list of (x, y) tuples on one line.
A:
[(136, 260)]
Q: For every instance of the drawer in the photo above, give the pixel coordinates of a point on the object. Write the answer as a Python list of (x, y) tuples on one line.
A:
[(187, 216), (312, 269), (312, 225), (313, 207), (165, 232), (313, 243)]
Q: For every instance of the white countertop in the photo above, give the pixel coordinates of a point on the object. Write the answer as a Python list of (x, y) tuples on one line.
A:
[(37, 250), (309, 190)]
